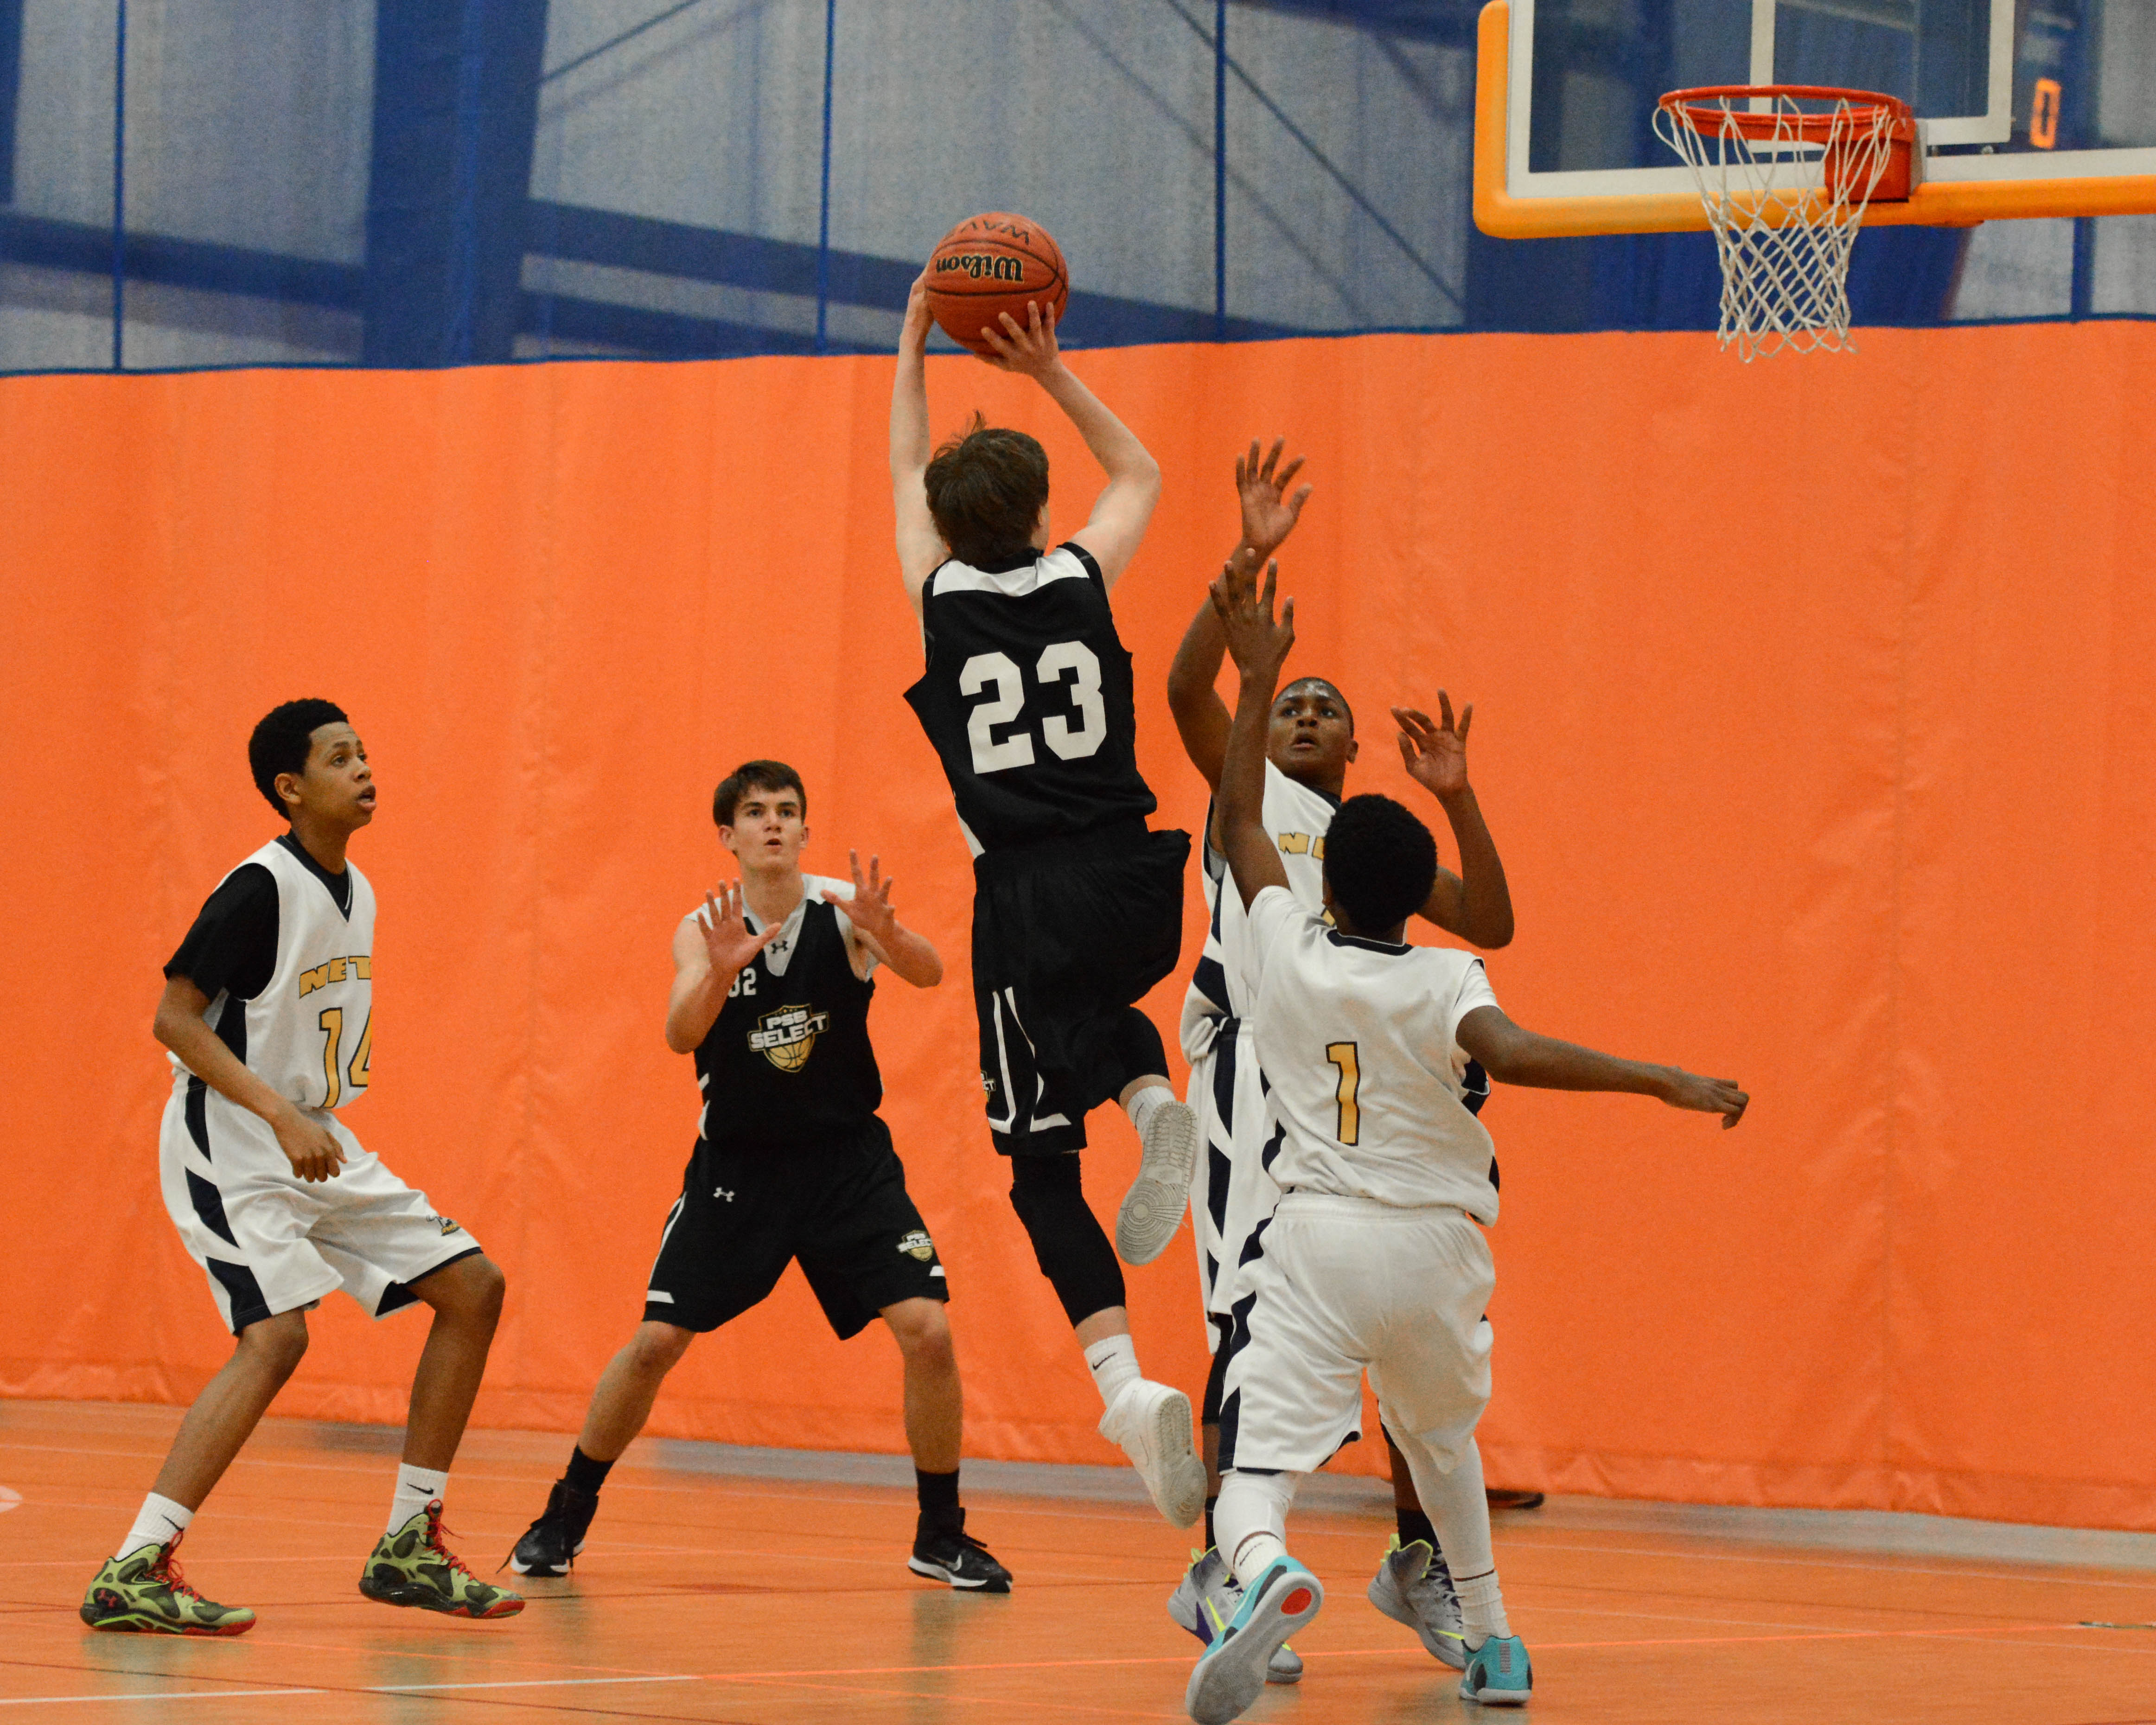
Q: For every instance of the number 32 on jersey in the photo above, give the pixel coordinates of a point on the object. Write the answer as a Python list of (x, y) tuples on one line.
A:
[(1062, 661)]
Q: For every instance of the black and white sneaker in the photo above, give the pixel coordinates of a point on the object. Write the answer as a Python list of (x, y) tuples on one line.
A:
[(945, 1551), (550, 1544)]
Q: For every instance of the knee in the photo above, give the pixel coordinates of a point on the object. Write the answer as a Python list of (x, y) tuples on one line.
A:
[(923, 1329), (487, 1287), (275, 1346), (1046, 1189), (469, 1290), (656, 1349)]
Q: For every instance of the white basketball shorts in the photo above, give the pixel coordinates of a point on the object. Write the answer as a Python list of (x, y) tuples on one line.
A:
[(1343, 1286), (271, 1242)]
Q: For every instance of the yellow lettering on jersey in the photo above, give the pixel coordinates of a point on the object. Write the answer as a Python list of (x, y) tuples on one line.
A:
[(1294, 844), (1317, 847), (337, 970)]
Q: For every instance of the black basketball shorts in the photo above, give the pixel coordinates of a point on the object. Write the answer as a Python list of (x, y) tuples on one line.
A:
[(748, 1209), (1068, 935)]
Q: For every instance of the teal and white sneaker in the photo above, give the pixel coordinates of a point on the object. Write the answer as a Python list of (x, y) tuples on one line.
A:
[(1413, 1586), (1232, 1673), (1498, 1674), (1206, 1599)]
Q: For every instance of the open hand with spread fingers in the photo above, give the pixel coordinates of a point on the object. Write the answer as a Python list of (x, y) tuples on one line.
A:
[(724, 925), (1257, 642), (1436, 753), (870, 909), (1029, 348), (1270, 510)]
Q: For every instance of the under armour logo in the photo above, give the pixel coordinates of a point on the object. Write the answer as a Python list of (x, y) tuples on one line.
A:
[(721, 1192)]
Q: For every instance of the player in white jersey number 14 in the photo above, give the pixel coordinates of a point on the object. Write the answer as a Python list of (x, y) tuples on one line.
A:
[(1374, 1261)]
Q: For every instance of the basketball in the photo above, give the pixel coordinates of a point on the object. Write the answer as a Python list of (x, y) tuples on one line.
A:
[(992, 264)]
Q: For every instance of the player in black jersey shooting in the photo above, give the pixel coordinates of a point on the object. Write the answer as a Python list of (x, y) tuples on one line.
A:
[(771, 995), (1077, 907)]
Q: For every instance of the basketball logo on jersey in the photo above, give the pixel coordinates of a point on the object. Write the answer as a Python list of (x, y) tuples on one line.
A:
[(918, 1244), (786, 1036)]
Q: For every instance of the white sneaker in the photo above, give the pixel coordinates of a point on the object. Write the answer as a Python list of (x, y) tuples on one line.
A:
[(1152, 1423), (1153, 1208), (1413, 1586)]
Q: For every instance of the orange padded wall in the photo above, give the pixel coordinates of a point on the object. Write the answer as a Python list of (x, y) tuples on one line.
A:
[(1814, 718)]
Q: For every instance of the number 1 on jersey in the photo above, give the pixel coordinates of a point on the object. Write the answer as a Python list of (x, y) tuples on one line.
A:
[(1343, 1054)]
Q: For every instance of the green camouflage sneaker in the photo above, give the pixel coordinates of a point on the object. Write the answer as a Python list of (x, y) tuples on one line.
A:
[(411, 1567), (144, 1594)]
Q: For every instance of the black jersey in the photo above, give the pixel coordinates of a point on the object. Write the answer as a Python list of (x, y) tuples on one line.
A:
[(1026, 697), (788, 1055)]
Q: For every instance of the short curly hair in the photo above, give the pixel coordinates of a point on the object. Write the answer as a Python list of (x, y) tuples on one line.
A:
[(987, 487), (1380, 863), (281, 742)]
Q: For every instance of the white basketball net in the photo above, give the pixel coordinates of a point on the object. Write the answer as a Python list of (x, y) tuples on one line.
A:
[(1783, 226)]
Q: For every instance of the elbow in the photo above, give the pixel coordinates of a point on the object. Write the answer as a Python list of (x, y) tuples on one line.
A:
[(164, 1027), (1497, 935), (674, 1040)]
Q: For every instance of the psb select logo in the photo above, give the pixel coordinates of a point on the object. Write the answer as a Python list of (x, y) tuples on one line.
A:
[(786, 1036), (918, 1245)]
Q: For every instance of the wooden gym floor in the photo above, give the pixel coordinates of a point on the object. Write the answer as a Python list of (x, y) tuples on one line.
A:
[(775, 1594)]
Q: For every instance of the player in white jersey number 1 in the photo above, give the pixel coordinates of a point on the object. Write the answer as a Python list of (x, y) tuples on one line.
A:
[(1373, 1260), (1310, 745)]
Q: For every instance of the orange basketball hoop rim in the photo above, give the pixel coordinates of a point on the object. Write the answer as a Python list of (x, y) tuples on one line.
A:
[(1855, 122)]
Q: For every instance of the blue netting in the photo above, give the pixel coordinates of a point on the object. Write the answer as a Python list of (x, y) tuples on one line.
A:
[(419, 182)]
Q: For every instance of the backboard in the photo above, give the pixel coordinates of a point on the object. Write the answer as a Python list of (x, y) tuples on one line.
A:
[(2030, 110)]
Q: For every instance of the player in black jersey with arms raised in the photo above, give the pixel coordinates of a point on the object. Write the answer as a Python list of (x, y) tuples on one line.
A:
[(771, 993), (1077, 907)]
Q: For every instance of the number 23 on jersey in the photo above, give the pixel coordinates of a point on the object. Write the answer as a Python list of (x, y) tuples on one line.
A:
[(1062, 661)]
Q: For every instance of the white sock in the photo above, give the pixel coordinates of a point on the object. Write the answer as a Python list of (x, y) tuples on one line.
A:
[(1249, 1520), (416, 1488), (1482, 1608), (1114, 1363), (159, 1521), (1458, 1508), (1143, 1104)]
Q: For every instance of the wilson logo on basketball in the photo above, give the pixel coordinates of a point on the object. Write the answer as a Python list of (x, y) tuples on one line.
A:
[(983, 266), (787, 1035)]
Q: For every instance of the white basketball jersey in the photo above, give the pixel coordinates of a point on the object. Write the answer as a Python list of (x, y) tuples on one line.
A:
[(1297, 817), (308, 1035), (1356, 1038)]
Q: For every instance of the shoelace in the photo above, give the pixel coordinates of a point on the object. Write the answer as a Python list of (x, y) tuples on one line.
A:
[(436, 1533), (167, 1569)]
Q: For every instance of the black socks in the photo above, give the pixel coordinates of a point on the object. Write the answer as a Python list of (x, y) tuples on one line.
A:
[(1210, 1542), (585, 1475), (1414, 1525), (938, 1494)]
